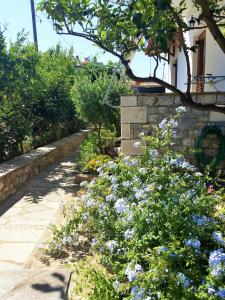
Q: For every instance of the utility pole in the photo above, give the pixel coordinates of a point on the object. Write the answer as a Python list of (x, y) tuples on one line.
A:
[(34, 23)]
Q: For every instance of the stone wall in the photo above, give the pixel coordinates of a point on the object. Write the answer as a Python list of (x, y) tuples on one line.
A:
[(141, 112), (17, 171)]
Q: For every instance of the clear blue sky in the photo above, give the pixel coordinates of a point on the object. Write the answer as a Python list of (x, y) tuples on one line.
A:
[(16, 14)]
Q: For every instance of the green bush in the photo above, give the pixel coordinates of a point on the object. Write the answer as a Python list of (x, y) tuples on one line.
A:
[(35, 103), (158, 229), (96, 162), (89, 148), (96, 94)]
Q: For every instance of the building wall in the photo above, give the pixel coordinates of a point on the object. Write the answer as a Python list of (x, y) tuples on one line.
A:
[(214, 62), (142, 112)]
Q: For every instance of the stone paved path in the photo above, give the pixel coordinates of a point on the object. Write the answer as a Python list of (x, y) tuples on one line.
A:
[(25, 217)]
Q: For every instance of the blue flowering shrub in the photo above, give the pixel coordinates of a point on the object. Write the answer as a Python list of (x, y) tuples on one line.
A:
[(158, 230)]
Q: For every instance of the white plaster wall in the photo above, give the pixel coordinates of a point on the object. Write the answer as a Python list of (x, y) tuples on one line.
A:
[(215, 63)]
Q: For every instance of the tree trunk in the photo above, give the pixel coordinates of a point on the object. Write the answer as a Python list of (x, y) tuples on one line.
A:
[(211, 23)]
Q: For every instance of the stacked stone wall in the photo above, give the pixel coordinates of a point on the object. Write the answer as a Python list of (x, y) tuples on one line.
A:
[(17, 171), (142, 112)]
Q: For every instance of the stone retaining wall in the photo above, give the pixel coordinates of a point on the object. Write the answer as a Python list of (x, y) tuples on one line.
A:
[(17, 171), (141, 112)]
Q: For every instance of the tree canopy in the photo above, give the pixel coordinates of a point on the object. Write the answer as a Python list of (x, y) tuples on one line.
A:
[(123, 27)]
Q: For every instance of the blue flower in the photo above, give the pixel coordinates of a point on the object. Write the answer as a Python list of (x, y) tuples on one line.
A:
[(114, 187), (111, 245), (217, 236), (200, 220), (137, 293), (111, 164), (132, 272), (221, 294), (216, 257), (218, 271), (194, 243), (113, 179), (185, 281), (173, 123), (163, 124), (121, 206)]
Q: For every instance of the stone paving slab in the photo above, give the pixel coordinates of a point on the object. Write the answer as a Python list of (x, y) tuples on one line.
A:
[(44, 284), (26, 216)]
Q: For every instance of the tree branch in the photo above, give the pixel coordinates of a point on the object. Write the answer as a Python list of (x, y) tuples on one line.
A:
[(185, 98), (207, 17)]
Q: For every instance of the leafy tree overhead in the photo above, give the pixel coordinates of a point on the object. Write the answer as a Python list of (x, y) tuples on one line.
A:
[(123, 27)]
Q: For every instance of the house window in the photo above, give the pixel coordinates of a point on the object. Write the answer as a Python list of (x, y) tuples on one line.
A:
[(201, 62)]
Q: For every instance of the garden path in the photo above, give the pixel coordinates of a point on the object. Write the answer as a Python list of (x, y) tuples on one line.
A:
[(24, 221)]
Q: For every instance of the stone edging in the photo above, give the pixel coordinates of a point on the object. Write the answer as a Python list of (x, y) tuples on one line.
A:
[(17, 171)]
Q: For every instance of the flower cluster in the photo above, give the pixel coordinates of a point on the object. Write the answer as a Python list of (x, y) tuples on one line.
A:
[(132, 271), (154, 224)]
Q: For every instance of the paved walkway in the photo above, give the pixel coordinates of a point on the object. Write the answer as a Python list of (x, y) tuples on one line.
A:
[(25, 217), (24, 220)]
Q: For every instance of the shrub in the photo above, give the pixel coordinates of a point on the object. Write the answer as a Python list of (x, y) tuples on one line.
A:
[(157, 227), (96, 95), (89, 149), (96, 162)]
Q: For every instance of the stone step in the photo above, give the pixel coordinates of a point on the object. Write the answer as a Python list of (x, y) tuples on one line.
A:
[(39, 284)]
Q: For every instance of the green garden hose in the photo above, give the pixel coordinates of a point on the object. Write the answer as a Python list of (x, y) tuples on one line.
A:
[(201, 159)]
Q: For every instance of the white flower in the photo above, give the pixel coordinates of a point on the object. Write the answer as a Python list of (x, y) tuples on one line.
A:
[(153, 153), (126, 183), (116, 285), (140, 194), (143, 170), (111, 245), (180, 109), (83, 183), (129, 234), (137, 144), (142, 134), (110, 198)]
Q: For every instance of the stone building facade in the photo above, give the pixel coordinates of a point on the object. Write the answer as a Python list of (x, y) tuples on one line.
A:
[(142, 112)]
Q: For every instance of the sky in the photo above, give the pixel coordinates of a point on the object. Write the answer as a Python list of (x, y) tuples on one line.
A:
[(16, 15)]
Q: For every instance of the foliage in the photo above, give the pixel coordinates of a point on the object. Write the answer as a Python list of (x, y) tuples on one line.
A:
[(91, 280), (157, 227), (96, 162), (89, 149), (35, 102), (125, 27), (96, 95)]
